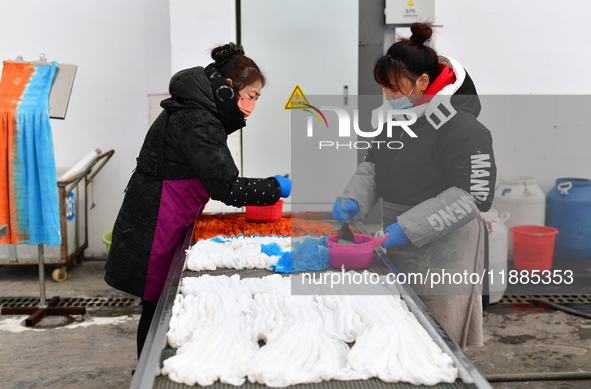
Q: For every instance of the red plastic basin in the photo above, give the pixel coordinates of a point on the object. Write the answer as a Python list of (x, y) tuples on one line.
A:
[(265, 213)]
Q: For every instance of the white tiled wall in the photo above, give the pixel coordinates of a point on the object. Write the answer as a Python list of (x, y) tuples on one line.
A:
[(545, 137)]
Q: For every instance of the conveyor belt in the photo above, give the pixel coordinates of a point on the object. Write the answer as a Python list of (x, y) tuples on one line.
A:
[(162, 382), (152, 356)]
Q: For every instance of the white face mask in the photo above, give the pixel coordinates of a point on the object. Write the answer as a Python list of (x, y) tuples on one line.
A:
[(403, 102)]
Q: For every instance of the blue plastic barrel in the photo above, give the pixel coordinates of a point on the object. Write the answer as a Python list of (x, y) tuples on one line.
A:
[(569, 210)]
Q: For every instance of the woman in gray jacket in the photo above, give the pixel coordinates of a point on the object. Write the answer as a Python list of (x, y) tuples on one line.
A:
[(434, 187)]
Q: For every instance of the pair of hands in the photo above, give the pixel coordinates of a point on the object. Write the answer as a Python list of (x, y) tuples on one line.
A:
[(347, 208)]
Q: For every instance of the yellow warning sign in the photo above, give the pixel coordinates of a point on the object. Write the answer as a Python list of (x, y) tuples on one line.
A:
[(297, 100), (410, 4)]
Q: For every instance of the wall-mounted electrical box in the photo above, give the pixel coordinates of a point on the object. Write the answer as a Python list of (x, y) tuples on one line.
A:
[(409, 11)]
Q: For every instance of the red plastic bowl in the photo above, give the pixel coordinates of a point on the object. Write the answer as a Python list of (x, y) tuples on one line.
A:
[(265, 213), (353, 256)]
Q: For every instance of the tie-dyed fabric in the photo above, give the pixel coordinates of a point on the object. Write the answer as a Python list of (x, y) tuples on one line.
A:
[(28, 183)]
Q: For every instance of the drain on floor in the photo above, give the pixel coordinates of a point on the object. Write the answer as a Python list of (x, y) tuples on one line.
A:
[(134, 301), (53, 322), (72, 302), (522, 299)]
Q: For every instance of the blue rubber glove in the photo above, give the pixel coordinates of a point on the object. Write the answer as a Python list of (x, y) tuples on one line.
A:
[(397, 236), (284, 184), (344, 206)]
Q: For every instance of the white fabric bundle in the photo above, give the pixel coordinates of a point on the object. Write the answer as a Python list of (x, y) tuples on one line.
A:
[(211, 342), (296, 350), (218, 321), (237, 252), (394, 346), (390, 343)]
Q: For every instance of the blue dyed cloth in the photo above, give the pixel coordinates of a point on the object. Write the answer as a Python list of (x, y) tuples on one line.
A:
[(271, 249), (311, 254), (34, 164), (283, 264), (219, 239)]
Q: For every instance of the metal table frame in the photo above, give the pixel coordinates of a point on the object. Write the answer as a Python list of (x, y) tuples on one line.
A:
[(149, 364), (65, 188)]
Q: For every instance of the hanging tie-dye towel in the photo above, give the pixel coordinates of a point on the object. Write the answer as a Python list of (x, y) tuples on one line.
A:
[(28, 183)]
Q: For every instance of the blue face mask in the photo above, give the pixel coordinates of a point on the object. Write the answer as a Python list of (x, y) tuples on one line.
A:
[(403, 102)]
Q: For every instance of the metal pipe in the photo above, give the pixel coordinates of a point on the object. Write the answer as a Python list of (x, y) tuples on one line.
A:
[(90, 167), (238, 30), (86, 210), (549, 376), (35, 318), (108, 155), (64, 311), (18, 310), (77, 217), (40, 254), (560, 308)]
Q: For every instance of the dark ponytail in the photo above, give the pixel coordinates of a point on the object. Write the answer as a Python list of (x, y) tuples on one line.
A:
[(408, 58), (231, 62)]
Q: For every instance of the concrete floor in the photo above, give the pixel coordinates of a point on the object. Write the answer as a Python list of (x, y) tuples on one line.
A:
[(97, 350), (522, 338)]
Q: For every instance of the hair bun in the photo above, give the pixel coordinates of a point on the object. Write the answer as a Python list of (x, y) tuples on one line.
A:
[(221, 53), (422, 31)]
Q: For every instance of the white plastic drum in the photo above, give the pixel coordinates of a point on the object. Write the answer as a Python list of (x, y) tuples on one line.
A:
[(497, 253), (523, 199)]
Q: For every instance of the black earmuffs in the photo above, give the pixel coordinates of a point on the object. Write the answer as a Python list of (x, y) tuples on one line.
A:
[(225, 100)]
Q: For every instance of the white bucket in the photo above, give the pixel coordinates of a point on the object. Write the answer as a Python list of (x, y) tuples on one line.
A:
[(497, 253), (523, 199)]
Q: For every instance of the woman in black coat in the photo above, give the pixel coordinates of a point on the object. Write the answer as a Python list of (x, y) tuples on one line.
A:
[(184, 162)]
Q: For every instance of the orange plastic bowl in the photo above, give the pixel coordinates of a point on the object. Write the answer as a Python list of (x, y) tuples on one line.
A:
[(265, 213)]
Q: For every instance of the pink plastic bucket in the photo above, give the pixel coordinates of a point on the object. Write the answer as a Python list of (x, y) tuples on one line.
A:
[(353, 256)]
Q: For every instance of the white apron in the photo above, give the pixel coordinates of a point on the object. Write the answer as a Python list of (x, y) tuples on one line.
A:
[(458, 307)]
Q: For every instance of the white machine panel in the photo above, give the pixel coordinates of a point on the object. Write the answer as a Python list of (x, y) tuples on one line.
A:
[(409, 11), (310, 43)]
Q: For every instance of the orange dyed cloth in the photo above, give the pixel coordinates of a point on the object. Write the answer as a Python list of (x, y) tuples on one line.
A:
[(209, 226), (301, 227)]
